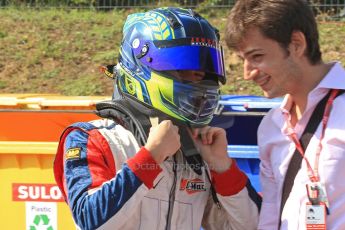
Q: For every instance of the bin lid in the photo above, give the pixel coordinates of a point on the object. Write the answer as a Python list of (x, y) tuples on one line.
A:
[(245, 103), (48, 101)]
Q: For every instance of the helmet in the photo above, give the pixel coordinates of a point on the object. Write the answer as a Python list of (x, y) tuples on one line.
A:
[(171, 40)]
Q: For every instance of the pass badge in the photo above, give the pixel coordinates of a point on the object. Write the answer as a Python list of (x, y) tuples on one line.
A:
[(316, 192), (315, 216)]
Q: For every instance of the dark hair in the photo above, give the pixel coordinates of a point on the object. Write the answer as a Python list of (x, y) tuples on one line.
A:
[(276, 19)]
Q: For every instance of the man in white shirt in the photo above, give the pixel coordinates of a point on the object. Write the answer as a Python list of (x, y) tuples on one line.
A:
[(278, 42)]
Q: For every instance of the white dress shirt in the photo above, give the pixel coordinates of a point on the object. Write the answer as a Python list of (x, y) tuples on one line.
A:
[(276, 150)]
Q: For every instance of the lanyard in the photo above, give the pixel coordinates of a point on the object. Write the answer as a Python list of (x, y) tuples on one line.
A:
[(313, 174)]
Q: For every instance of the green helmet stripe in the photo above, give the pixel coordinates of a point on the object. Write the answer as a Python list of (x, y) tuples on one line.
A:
[(161, 87)]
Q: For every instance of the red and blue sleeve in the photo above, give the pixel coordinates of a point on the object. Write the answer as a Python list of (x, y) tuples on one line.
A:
[(94, 191)]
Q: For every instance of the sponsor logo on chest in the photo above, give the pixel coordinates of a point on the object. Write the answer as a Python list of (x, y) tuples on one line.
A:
[(192, 186)]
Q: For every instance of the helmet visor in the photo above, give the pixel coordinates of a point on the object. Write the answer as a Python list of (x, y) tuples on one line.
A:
[(176, 55), (195, 101)]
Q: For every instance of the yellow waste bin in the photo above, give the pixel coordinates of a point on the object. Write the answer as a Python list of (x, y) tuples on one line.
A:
[(30, 127)]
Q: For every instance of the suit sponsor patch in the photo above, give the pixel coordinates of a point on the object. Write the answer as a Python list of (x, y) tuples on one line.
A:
[(192, 185), (72, 153)]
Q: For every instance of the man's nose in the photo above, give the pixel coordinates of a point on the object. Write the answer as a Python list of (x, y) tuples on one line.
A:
[(250, 71), (247, 69)]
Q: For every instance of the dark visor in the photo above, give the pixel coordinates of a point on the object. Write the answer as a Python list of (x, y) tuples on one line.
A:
[(205, 57)]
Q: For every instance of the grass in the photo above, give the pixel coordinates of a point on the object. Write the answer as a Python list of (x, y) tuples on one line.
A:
[(60, 51)]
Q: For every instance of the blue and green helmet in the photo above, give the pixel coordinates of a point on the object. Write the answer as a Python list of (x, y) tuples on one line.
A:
[(163, 40)]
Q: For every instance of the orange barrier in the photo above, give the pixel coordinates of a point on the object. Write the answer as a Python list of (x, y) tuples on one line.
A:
[(30, 126), (38, 117)]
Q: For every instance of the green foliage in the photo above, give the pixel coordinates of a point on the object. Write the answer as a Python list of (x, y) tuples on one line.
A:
[(84, 3), (2, 34), (105, 57), (51, 74), (3, 84), (85, 85), (208, 3), (60, 51)]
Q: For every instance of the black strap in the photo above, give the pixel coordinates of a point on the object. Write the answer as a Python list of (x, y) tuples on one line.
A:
[(296, 160), (127, 116), (189, 151)]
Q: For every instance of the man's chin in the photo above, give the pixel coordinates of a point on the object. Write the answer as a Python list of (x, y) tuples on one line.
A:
[(271, 95), (267, 94)]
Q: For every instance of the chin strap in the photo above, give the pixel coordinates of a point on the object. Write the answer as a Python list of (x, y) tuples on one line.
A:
[(189, 151)]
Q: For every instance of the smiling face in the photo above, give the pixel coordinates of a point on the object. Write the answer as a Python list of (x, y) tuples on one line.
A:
[(269, 65)]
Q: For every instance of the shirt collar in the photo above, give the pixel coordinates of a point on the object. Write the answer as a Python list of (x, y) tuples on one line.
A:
[(334, 79)]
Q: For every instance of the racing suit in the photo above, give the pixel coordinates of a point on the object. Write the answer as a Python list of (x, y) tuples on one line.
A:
[(109, 182)]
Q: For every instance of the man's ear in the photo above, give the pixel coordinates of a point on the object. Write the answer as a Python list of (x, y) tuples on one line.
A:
[(298, 44)]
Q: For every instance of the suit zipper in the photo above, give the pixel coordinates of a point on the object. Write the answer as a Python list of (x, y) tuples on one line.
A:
[(172, 196)]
